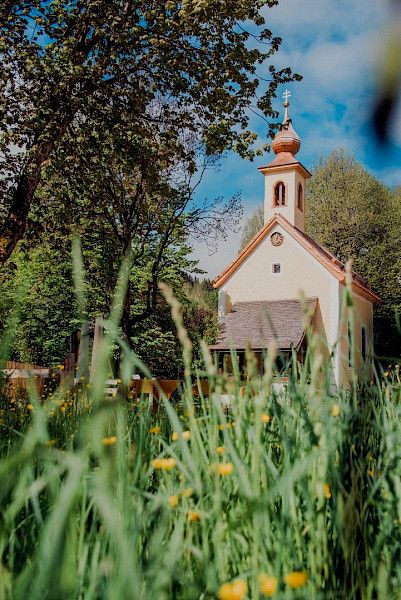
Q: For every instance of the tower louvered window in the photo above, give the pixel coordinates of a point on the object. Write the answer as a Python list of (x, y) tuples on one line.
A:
[(300, 201), (279, 194)]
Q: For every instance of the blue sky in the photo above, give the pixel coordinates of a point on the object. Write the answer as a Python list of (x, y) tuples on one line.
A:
[(336, 46)]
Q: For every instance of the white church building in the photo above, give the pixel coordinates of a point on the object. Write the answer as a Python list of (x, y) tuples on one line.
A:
[(260, 291)]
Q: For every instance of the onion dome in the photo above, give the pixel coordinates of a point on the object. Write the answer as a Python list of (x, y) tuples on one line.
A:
[(287, 139)]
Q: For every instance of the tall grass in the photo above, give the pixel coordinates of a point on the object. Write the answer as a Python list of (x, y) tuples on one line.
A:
[(303, 484)]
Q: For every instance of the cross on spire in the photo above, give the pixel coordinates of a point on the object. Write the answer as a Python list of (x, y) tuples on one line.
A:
[(286, 95)]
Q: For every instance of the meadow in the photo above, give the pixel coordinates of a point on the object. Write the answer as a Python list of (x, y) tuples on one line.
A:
[(292, 496)]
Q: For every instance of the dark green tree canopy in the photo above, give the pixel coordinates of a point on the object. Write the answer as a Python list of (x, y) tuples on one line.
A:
[(75, 71)]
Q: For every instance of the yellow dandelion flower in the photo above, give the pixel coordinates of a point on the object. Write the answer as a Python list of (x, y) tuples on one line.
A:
[(265, 418), (155, 429), (386, 373), (335, 411), (235, 590), (29, 406), (61, 367), (187, 493), (109, 441), (186, 435), (224, 426), (225, 469), (327, 491), (296, 579), (267, 584), (194, 516), (165, 464), (220, 450), (173, 501)]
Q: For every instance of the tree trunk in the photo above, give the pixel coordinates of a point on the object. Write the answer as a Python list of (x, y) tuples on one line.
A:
[(126, 316), (14, 226)]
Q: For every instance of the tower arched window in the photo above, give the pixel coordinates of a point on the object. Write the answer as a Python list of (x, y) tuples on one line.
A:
[(279, 194), (300, 200)]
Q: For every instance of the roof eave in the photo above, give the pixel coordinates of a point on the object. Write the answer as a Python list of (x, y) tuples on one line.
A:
[(279, 168)]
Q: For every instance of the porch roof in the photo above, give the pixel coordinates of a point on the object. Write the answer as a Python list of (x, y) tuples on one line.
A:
[(258, 324)]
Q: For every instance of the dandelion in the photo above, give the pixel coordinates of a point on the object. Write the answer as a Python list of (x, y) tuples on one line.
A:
[(155, 429), (267, 584), (386, 373), (296, 579), (187, 493), (225, 469), (194, 516), (327, 491), (233, 591), (335, 411), (173, 501), (165, 464), (29, 406), (265, 418), (220, 450), (224, 426), (109, 441), (186, 435)]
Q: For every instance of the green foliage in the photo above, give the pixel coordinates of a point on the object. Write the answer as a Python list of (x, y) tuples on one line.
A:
[(154, 80), (307, 482), (37, 292), (154, 340), (366, 228), (252, 225)]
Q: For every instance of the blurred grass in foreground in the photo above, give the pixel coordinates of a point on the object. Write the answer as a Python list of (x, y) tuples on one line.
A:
[(291, 496)]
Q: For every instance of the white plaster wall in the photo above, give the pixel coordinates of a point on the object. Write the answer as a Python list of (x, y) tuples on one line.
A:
[(362, 316)]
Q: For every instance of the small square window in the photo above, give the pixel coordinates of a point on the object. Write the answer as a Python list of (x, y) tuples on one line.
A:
[(276, 268)]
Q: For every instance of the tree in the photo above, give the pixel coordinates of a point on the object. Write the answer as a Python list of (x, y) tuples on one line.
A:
[(366, 228), (252, 225), (75, 71), (37, 296)]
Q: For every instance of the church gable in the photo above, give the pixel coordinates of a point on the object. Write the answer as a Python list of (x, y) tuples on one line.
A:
[(274, 266), (276, 241), (312, 254)]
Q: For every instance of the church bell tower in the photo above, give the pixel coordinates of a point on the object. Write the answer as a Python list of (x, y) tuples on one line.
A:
[(285, 176)]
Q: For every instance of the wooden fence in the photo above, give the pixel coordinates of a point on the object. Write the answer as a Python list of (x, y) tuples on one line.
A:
[(20, 375)]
